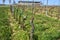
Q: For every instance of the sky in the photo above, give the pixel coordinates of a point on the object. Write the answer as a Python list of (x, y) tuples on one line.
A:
[(50, 2)]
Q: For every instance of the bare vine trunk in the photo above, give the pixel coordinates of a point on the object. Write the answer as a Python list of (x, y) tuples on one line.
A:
[(32, 29)]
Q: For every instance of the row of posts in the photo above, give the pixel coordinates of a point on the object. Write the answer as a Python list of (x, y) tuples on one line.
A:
[(21, 23)]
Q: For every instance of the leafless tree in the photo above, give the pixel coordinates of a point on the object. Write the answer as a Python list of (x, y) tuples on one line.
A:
[(3, 1), (46, 8), (9, 1), (10, 5)]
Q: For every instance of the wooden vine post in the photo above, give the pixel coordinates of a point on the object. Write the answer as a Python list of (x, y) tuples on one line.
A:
[(11, 8), (14, 9), (20, 13), (31, 22), (46, 8), (22, 18)]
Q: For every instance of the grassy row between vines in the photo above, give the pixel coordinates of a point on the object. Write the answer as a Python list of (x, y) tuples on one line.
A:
[(46, 28)]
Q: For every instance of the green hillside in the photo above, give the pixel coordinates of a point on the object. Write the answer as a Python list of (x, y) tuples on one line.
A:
[(46, 28)]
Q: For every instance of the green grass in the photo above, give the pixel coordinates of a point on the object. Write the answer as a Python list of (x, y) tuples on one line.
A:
[(5, 30), (46, 28)]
